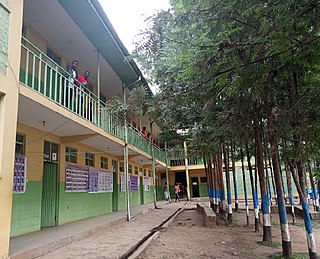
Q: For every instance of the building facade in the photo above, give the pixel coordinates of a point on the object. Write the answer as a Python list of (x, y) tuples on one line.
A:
[(62, 156)]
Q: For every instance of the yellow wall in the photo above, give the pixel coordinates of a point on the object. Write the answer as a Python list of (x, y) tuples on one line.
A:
[(35, 138), (8, 120)]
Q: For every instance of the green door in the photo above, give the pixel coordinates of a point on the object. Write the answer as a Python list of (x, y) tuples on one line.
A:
[(115, 193), (141, 190), (49, 194)]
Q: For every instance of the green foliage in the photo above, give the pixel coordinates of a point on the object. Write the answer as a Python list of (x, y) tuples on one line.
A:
[(220, 66), (117, 109), (294, 256), (269, 244)]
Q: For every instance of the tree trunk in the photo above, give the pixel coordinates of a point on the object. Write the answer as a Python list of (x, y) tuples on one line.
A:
[(313, 188), (234, 174), (267, 235), (220, 184), (226, 166), (253, 192), (289, 186), (306, 216), (285, 234), (244, 187)]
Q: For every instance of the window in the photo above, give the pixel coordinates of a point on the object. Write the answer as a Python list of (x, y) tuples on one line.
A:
[(114, 166), (203, 179), (54, 57), (71, 155), (149, 172), (140, 171), (89, 159), (4, 32), (136, 170), (104, 162), (130, 169), (144, 172), (121, 167), (50, 152), (20, 143)]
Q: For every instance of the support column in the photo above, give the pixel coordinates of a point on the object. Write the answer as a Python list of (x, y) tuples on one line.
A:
[(11, 13), (126, 157), (167, 173), (186, 166), (153, 171)]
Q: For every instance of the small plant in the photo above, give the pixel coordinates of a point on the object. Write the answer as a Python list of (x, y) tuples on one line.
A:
[(269, 244), (294, 256)]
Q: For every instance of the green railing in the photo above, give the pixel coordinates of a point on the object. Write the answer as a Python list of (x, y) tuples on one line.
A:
[(176, 156), (40, 73)]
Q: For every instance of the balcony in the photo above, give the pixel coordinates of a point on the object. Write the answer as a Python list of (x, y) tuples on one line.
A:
[(177, 159), (41, 74)]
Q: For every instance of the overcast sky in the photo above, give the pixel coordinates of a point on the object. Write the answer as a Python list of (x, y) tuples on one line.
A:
[(127, 16)]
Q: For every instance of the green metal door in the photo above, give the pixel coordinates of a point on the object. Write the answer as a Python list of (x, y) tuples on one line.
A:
[(49, 194), (141, 191), (115, 193)]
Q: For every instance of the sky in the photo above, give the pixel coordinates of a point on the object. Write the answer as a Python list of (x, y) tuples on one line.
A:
[(127, 16)]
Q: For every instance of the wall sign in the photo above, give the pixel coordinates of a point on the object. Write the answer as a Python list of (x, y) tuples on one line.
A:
[(146, 182), (20, 173), (76, 178), (134, 183)]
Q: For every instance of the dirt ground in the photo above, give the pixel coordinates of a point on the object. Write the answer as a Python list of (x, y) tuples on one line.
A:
[(187, 237)]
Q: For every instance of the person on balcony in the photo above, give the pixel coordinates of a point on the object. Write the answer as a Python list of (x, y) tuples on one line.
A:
[(144, 132), (80, 90), (71, 79)]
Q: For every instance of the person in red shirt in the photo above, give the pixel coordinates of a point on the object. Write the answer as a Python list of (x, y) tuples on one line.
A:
[(144, 132), (80, 92), (83, 80)]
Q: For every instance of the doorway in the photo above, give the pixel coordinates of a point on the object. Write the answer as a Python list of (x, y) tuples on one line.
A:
[(49, 199), (195, 187), (49, 194), (180, 177)]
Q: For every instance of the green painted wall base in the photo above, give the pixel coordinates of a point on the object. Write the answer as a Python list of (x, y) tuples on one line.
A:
[(26, 209)]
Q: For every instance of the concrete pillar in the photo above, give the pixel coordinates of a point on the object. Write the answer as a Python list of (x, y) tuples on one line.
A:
[(10, 26)]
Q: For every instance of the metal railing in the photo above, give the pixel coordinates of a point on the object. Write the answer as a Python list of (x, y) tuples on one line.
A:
[(40, 73)]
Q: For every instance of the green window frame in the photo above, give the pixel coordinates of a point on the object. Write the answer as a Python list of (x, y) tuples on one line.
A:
[(20, 143), (121, 166), (71, 155), (89, 159), (104, 162)]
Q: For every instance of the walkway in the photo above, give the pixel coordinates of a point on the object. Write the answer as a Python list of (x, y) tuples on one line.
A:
[(107, 236)]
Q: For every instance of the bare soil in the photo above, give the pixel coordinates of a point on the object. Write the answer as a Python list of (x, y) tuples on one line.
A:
[(187, 237)]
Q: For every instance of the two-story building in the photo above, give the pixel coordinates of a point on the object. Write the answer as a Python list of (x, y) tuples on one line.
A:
[(62, 156)]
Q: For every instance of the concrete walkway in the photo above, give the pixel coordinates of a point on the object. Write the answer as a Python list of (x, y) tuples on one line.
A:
[(107, 236)]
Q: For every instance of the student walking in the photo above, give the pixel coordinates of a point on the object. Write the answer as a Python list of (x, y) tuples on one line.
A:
[(176, 191)]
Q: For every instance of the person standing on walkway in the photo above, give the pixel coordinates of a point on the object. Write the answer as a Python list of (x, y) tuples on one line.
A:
[(166, 191), (176, 191)]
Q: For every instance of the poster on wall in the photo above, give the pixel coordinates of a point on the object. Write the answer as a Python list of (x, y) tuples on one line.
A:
[(122, 182), (100, 180), (105, 181), (146, 182), (76, 178), (93, 185), (134, 183), (20, 173)]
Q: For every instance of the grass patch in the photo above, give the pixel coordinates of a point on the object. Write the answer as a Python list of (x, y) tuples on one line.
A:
[(294, 256), (244, 254), (275, 223), (269, 244)]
